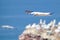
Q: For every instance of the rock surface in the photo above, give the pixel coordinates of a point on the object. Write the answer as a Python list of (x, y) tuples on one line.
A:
[(40, 32)]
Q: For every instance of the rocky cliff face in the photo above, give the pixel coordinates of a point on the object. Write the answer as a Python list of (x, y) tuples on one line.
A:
[(41, 32), (31, 34)]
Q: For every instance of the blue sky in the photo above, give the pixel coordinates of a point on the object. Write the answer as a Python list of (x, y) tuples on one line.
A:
[(17, 7), (12, 12)]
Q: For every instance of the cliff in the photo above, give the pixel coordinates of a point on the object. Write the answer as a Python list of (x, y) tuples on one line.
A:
[(41, 31)]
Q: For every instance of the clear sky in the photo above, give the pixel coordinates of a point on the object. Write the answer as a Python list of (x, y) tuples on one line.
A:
[(12, 12)]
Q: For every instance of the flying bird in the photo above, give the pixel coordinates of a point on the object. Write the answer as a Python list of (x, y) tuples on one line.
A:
[(38, 13), (7, 27)]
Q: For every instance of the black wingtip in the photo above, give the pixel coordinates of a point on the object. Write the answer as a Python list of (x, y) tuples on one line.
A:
[(28, 11), (51, 13)]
